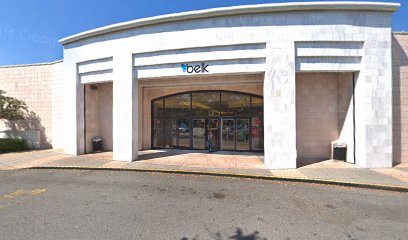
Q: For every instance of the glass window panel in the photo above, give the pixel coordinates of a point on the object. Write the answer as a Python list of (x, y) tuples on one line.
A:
[(178, 106), (257, 106), (206, 104), (257, 134), (158, 138), (158, 108), (235, 104)]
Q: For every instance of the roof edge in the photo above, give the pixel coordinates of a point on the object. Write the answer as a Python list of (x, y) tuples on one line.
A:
[(32, 64), (242, 9), (400, 33)]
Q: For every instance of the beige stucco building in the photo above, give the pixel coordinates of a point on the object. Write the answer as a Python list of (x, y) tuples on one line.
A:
[(289, 80)]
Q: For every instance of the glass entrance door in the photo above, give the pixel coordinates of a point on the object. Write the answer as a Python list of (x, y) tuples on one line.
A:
[(228, 134), (199, 134), (213, 135), (183, 130), (171, 133), (215, 120), (243, 128)]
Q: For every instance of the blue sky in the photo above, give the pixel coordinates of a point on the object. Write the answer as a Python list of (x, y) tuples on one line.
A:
[(30, 29)]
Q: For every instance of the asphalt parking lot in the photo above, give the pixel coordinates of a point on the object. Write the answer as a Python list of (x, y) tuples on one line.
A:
[(56, 204)]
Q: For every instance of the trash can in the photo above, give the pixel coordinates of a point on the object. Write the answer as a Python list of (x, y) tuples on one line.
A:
[(340, 151), (97, 145)]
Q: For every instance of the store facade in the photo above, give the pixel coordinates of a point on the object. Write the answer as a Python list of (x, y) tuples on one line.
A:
[(291, 80), (288, 79)]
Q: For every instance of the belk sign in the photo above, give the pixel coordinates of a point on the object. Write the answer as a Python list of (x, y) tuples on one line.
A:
[(199, 68)]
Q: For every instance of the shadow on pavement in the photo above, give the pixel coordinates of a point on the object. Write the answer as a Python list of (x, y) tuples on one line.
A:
[(238, 235)]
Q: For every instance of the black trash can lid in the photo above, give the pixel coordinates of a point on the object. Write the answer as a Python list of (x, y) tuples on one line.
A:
[(340, 145), (97, 140)]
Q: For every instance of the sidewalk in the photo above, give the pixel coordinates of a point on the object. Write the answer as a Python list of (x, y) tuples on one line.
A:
[(225, 163)]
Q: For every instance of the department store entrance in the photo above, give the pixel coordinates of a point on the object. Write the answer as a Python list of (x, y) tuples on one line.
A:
[(229, 134), (212, 120)]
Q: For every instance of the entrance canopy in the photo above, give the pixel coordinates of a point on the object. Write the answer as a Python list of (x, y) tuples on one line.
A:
[(221, 120)]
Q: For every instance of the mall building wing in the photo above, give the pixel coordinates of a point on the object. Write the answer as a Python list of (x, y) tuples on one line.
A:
[(294, 81)]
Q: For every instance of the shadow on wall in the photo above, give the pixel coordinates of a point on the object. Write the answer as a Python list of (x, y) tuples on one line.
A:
[(400, 59), (31, 123), (239, 235)]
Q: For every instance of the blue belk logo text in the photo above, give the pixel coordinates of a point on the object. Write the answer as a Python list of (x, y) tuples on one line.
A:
[(199, 68)]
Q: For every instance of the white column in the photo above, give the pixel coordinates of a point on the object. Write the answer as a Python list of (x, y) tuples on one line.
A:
[(373, 102), (74, 111), (280, 106), (125, 115)]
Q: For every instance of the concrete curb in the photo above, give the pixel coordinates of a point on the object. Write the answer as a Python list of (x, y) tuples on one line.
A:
[(236, 175)]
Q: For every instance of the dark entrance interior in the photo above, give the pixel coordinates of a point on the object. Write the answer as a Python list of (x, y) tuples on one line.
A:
[(213, 120)]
